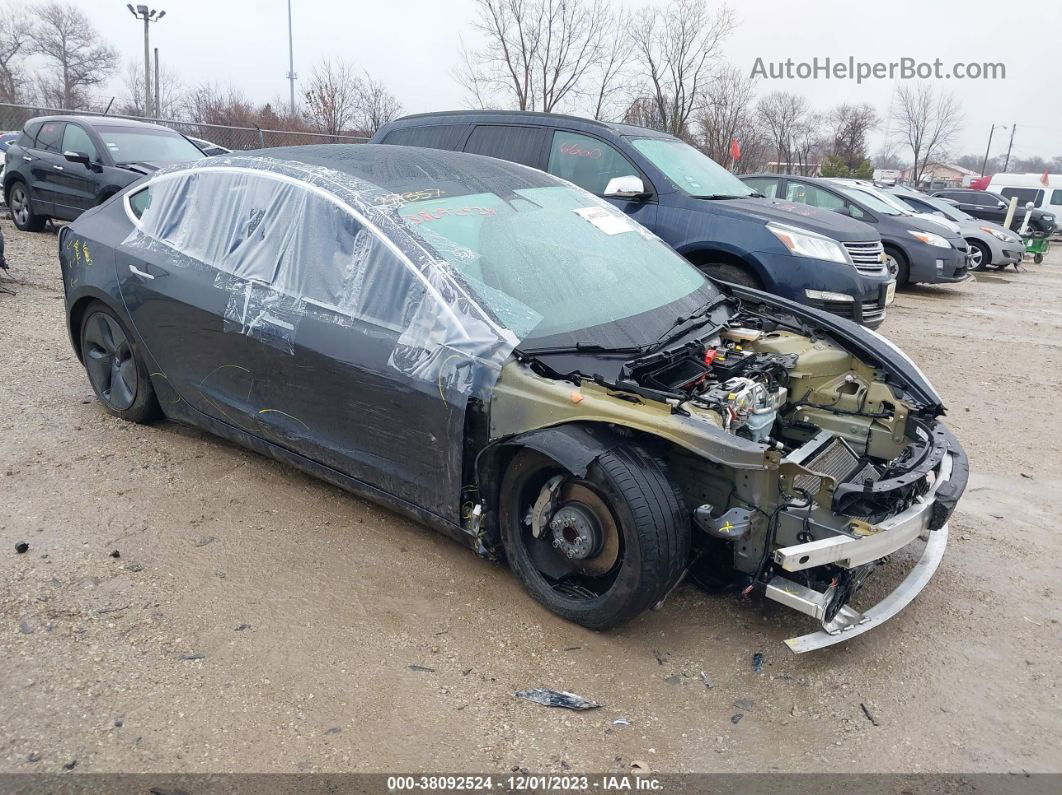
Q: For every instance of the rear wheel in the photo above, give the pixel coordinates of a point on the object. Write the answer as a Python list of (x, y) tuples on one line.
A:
[(118, 377), (22, 214), (980, 256), (610, 544)]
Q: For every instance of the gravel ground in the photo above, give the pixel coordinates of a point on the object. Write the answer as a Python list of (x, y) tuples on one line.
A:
[(259, 620)]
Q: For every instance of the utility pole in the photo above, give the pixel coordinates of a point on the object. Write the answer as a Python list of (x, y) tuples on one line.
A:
[(984, 163), (149, 16), (157, 111), (291, 65), (1013, 127)]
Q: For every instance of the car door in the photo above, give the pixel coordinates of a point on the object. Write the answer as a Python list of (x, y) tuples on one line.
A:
[(591, 163), (45, 166), (351, 406), (75, 183), (195, 277)]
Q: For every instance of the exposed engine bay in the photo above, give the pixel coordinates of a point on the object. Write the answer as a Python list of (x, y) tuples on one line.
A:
[(834, 461)]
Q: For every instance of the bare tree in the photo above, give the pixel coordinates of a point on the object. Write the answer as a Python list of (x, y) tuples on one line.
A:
[(782, 113), (809, 144), (15, 45), (607, 76), (333, 96), (928, 123), (77, 58), (212, 104), (850, 125), (536, 52), (172, 100), (376, 105), (675, 48), (727, 114)]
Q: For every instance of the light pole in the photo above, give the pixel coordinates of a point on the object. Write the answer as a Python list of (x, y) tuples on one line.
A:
[(149, 16), (291, 65)]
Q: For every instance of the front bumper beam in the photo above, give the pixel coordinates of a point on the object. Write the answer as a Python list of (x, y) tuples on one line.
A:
[(849, 622)]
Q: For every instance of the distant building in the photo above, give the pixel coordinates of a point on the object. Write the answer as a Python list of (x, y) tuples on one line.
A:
[(803, 169), (941, 175)]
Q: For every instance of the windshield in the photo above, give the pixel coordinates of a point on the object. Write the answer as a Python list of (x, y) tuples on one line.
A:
[(690, 170), (555, 260), (871, 201), (135, 145)]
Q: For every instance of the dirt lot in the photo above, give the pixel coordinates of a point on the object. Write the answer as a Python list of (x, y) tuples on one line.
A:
[(258, 620)]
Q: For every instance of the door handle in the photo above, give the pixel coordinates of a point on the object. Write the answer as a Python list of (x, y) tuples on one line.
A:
[(58, 168), (133, 269), (27, 158)]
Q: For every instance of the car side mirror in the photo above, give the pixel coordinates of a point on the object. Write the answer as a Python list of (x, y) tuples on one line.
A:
[(629, 187), (78, 157)]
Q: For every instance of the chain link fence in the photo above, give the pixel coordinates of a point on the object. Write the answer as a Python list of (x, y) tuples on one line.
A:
[(12, 117)]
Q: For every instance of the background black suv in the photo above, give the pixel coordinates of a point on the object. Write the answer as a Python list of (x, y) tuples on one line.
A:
[(993, 207), (61, 166)]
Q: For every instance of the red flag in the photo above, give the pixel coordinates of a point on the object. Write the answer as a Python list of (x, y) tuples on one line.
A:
[(1045, 180), (735, 149)]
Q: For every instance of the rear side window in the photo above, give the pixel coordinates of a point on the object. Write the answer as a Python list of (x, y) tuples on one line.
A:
[(1056, 197), (434, 136), (978, 198), (29, 132), (1024, 195), (586, 161), (242, 225), (516, 144), (139, 202), (50, 136)]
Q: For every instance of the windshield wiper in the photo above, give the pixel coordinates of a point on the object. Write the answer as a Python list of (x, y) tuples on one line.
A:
[(581, 347), (727, 196), (675, 330)]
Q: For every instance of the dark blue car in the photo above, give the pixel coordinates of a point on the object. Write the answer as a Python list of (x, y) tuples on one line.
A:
[(703, 211)]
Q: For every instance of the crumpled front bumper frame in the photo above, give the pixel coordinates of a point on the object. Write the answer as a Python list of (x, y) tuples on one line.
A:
[(926, 518)]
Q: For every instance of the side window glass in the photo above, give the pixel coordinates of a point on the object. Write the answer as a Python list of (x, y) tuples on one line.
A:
[(435, 136), (337, 265), (856, 212), (516, 144), (768, 187), (75, 139), (801, 194), (1056, 197), (50, 136), (586, 161), (139, 202), (29, 133)]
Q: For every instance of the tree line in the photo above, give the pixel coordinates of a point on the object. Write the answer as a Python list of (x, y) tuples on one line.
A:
[(661, 66), (52, 56)]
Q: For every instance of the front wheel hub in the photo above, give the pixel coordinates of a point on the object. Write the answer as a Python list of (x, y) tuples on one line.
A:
[(575, 531)]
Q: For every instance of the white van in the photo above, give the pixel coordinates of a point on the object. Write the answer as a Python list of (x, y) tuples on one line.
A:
[(1030, 188)]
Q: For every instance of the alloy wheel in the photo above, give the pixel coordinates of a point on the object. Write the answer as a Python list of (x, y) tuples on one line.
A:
[(109, 361), (892, 265), (20, 205), (976, 258)]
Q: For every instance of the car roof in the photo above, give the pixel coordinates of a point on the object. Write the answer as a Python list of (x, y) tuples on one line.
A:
[(99, 121), (526, 117), (400, 167)]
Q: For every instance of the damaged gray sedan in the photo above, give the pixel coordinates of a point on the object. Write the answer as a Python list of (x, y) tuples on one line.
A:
[(516, 363)]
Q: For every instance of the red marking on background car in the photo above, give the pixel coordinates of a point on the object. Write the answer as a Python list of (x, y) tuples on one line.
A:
[(577, 151), (424, 216)]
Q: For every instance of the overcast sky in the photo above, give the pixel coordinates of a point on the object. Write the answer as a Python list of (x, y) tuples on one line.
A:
[(412, 45)]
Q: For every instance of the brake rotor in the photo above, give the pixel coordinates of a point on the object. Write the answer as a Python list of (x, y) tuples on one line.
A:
[(577, 504)]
